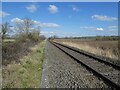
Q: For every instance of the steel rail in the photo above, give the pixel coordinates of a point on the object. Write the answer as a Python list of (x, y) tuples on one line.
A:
[(96, 58), (105, 79)]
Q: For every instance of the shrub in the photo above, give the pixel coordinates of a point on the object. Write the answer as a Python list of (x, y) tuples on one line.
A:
[(34, 36), (31, 36)]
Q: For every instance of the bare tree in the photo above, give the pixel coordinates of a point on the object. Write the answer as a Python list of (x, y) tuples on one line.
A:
[(5, 28), (25, 25), (28, 23), (38, 30), (28, 28)]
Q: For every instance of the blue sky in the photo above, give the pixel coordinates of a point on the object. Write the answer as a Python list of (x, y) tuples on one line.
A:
[(66, 19)]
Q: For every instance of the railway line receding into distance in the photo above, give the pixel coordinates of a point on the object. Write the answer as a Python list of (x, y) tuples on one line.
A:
[(108, 71)]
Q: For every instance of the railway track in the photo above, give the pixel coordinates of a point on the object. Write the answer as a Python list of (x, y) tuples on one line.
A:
[(107, 71)]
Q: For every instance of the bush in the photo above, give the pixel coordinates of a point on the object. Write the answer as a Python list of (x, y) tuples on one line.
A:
[(21, 37), (31, 36), (34, 36)]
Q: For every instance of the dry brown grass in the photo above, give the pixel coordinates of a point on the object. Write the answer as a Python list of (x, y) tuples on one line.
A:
[(102, 48)]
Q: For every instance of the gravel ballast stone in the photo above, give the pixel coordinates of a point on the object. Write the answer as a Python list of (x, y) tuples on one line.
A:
[(61, 71)]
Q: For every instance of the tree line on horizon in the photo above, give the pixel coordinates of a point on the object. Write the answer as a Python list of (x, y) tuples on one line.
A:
[(88, 37)]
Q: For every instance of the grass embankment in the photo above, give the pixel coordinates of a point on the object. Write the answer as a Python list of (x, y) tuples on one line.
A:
[(27, 73), (107, 48)]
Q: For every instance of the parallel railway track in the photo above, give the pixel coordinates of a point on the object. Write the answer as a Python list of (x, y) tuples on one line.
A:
[(107, 71)]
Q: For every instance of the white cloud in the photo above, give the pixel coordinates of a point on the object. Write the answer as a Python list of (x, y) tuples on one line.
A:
[(92, 28), (31, 8), (108, 28), (74, 8), (45, 32), (86, 27), (50, 25), (17, 20), (113, 28), (99, 29), (53, 9), (103, 18), (48, 33), (37, 23), (3, 14)]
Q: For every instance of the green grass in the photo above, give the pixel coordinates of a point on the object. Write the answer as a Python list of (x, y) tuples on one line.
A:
[(27, 73)]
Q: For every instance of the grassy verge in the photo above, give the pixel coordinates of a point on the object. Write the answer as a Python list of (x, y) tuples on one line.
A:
[(27, 73)]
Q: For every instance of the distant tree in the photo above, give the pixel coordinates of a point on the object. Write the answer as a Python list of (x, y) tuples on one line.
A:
[(42, 37), (53, 37)]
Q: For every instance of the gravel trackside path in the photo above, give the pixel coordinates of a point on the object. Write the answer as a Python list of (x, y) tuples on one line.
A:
[(61, 71)]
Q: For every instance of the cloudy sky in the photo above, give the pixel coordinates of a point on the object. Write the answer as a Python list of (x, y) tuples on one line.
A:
[(66, 19)]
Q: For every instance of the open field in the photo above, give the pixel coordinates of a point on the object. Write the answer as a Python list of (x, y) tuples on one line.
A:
[(9, 40), (27, 73), (107, 48)]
